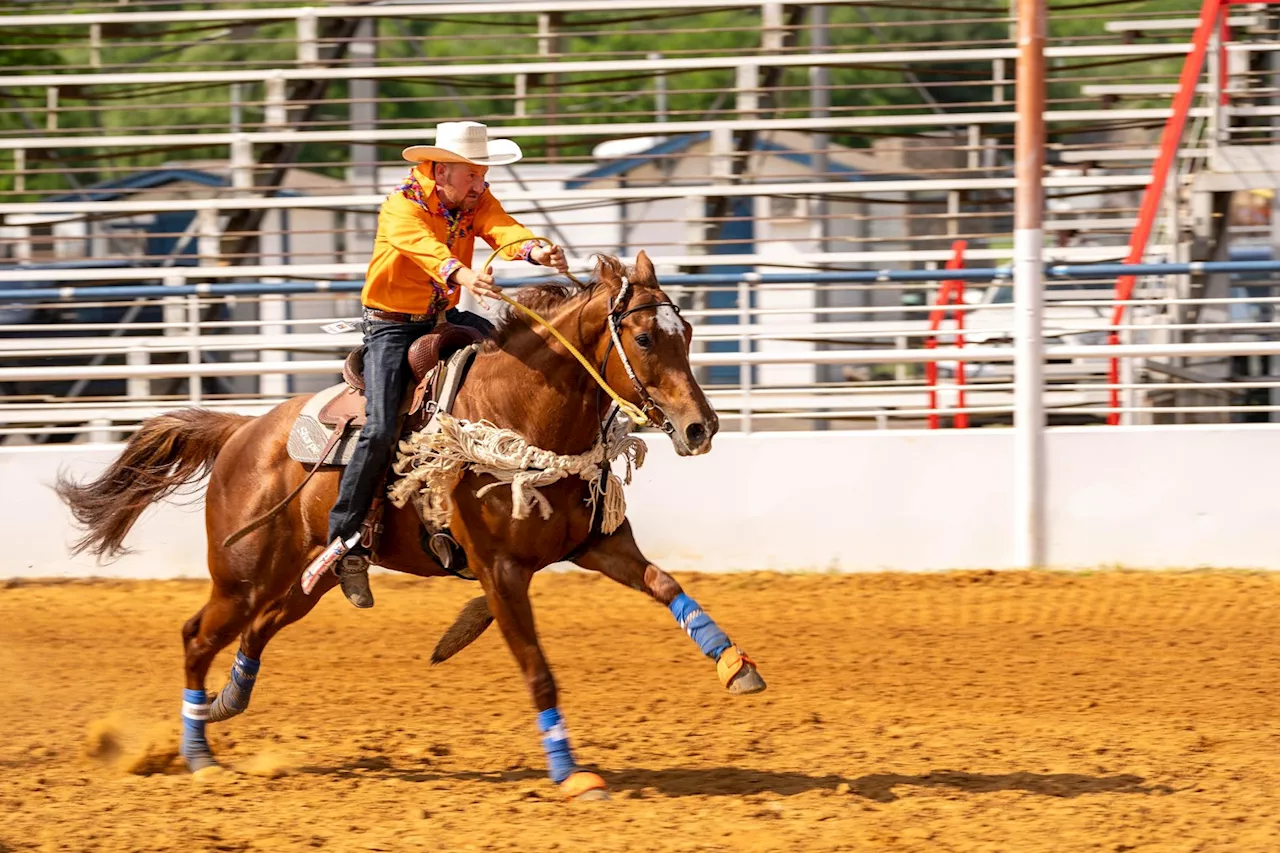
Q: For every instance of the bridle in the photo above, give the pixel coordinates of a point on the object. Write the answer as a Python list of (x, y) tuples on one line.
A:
[(618, 311)]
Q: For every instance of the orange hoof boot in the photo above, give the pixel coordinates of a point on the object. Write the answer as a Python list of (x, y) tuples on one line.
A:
[(584, 785), (738, 672)]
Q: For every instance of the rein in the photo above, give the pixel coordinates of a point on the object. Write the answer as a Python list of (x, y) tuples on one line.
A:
[(617, 313)]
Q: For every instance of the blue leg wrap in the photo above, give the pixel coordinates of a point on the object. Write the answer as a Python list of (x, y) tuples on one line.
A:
[(560, 763), (234, 698), (700, 627), (195, 713)]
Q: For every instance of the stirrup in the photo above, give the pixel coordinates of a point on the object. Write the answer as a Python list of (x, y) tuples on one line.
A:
[(353, 573), (353, 564), (443, 545)]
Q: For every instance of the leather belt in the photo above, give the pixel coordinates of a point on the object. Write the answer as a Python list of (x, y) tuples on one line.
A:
[(397, 317)]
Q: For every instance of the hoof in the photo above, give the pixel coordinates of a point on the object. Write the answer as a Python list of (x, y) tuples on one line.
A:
[(210, 773), (746, 682), (198, 758), (738, 672), (584, 786)]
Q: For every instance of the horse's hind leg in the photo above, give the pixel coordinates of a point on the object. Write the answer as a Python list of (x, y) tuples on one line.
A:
[(223, 616), (289, 608), (617, 556), (506, 587)]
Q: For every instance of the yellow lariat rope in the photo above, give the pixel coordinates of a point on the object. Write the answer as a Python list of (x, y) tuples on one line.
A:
[(637, 417)]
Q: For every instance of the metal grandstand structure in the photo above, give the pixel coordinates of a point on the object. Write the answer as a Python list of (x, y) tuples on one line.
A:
[(188, 194)]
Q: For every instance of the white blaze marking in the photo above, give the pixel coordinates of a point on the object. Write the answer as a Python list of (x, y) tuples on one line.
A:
[(669, 321)]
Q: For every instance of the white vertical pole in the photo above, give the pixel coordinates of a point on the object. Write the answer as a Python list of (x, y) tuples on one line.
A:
[(659, 92), (1216, 71), (744, 347), (747, 88), (772, 32), (236, 99), (174, 312), (549, 48), (1028, 264), (308, 48), (273, 308), (276, 113), (522, 93), (100, 432), (194, 356), (95, 45), (139, 388)]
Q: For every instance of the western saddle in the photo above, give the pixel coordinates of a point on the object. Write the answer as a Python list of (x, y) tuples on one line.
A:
[(425, 356)]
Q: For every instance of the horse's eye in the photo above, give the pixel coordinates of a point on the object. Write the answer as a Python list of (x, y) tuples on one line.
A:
[(643, 340)]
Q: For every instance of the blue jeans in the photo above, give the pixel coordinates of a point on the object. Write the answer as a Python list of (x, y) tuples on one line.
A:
[(386, 376)]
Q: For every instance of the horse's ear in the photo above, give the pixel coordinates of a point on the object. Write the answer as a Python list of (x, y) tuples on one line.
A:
[(610, 265), (644, 268)]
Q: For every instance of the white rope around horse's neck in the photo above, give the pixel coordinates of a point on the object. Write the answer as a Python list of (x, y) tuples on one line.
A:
[(430, 464)]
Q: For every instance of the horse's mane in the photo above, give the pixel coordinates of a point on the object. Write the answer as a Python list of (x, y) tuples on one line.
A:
[(547, 297)]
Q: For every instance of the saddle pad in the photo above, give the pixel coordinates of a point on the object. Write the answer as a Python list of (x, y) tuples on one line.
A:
[(308, 436)]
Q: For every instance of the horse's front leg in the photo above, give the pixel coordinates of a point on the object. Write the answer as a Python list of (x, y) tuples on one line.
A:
[(506, 587), (617, 556)]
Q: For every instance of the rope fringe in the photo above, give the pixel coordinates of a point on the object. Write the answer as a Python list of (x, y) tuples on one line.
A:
[(430, 464)]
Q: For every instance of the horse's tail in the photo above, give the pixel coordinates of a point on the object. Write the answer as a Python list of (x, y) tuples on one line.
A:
[(464, 631), (166, 452)]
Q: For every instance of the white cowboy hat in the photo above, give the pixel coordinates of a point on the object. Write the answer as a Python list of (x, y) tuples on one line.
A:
[(465, 142)]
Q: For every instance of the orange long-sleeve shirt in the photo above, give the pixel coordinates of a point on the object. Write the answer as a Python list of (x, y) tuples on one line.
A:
[(417, 248)]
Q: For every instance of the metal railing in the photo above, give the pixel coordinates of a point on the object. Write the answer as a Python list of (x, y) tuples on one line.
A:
[(798, 356)]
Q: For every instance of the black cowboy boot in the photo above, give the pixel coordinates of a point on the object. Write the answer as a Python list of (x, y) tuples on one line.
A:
[(353, 571)]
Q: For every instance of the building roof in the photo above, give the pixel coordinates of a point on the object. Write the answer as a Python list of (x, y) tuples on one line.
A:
[(150, 179), (116, 187), (683, 142)]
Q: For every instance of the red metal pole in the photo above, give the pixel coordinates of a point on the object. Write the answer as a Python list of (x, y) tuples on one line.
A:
[(1224, 74), (962, 417), (957, 298), (931, 342), (947, 295), (1170, 139), (931, 378)]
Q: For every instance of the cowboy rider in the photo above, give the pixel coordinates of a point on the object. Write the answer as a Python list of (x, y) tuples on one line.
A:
[(422, 259)]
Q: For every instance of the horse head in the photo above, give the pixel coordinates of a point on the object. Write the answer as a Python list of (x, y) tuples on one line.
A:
[(647, 355)]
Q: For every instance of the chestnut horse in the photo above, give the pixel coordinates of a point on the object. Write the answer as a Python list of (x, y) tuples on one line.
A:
[(521, 380)]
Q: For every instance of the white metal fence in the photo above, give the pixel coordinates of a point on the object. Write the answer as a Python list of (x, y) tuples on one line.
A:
[(787, 367)]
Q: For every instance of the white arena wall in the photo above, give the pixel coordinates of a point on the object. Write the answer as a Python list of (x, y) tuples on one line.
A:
[(1139, 497)]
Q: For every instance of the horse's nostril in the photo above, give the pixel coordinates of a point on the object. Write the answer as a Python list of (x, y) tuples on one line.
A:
[(695, 434)]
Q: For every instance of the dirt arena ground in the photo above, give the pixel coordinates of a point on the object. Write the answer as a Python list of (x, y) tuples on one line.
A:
[(959, 712)]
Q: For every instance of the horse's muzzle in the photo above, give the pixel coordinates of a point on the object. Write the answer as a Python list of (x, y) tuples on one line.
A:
[(694, 438)]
